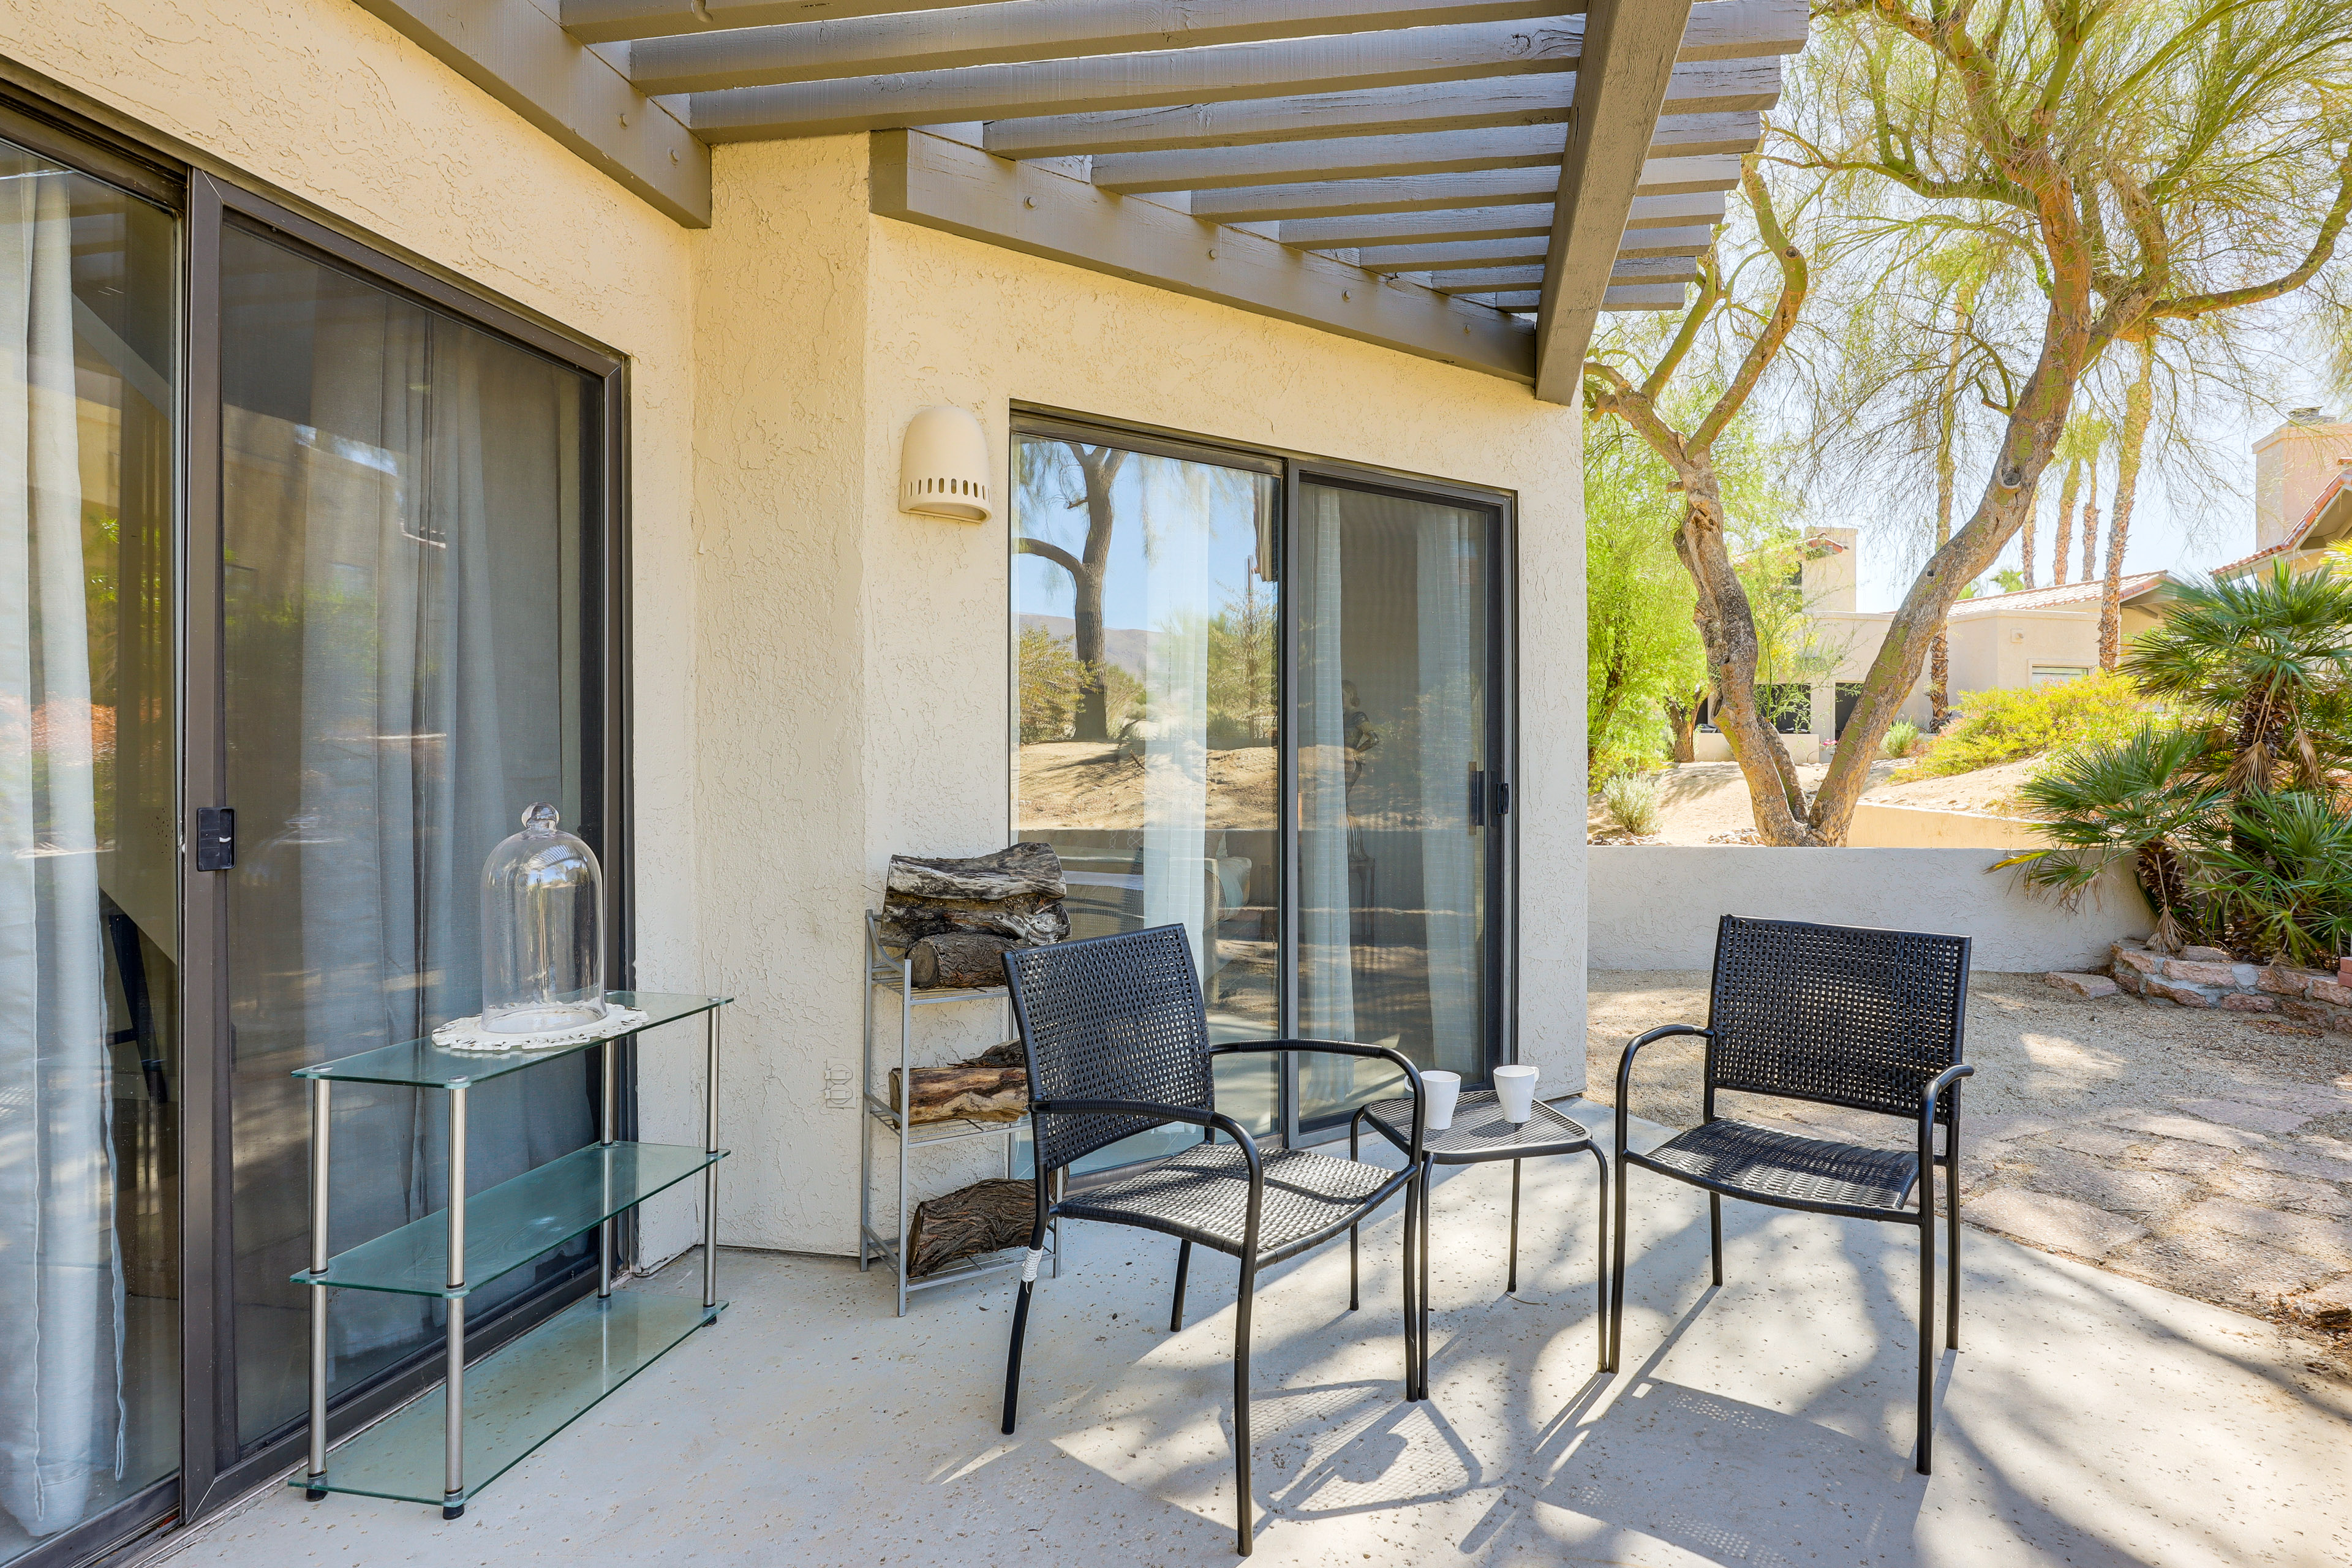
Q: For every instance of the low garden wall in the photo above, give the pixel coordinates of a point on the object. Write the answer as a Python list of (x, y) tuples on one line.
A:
[(1882, 826), (1654, 906)]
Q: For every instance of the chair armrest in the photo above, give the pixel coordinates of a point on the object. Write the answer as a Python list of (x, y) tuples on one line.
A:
[(1927, 1098), (1145, 1108), (1347, 1048), (1625, 1069)]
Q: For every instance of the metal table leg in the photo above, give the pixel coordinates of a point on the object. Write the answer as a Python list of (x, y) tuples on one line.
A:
[(710, 1171), (320, 1166), (453, 1497)]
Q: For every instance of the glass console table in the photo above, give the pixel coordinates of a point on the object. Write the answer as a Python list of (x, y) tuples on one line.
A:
[(447, 1445)]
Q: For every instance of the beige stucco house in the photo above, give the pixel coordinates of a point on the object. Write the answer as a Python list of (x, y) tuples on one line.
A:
[(2301, 502), (422, 408), (2032, 637)]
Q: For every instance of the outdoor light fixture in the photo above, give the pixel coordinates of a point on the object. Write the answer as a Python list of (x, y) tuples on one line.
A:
[(943, 467)]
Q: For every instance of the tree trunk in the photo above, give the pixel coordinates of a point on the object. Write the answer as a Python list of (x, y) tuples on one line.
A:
[(2091, 523), (1947, 419), (2065, 539), (959, 961), (1682, 718), (2128, 459), (1727, 627), (1100, 465), (2025, 542)]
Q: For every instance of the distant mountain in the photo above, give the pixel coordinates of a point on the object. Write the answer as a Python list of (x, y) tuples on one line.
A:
[(1122, 646)]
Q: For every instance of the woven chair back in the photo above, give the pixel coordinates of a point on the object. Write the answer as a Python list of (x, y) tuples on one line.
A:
[(1839, 1015), (1112, 1017)]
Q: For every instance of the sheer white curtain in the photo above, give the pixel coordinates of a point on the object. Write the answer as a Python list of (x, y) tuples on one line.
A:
[(60, 1274), (1176, 518), (1452, 718), (1326, 908)]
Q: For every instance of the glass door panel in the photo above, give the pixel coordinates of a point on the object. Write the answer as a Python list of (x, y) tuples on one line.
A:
[(1146, 609), (1394, 726), (89, 932), (406, 506)]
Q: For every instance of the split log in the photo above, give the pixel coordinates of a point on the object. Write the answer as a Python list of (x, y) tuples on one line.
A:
[(967, 1091), (985, 1217), (963, 960), (1014, 893)]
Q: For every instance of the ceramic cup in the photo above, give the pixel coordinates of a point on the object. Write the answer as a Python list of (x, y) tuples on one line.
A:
[(1439, 1091), (1515, 1092)]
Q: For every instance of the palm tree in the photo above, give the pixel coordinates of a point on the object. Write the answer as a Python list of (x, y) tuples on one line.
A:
[(2144, 798), (2255, 651)]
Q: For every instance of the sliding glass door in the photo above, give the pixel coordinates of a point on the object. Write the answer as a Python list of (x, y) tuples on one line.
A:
[(1262, 701), (90, 927), (1396, 732), (407, 538)]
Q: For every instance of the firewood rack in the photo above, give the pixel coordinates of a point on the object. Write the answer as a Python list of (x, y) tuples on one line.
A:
[(888, 974)]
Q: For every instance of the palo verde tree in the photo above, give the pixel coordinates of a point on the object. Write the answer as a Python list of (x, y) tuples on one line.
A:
[(2158, 162), (1071, 475)]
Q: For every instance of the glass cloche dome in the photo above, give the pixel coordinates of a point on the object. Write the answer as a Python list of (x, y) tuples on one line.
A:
[(542, 930)]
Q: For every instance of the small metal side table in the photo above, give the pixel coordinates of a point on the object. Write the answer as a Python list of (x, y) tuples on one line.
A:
[(1479, 1135)]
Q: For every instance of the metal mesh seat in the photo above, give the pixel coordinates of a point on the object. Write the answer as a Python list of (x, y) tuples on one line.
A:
[(1740, 1159), (1203, 1195), (1869, 1020), (1118, 1042)]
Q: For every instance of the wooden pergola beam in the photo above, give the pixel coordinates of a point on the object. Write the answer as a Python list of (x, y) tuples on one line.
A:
[(1639, 242), (1482, 223), (946, 185), (1485, 280), (1623, 87), (962, 36), (618, 21), (1620, 297), (1375, 157), (1417, 192), (1100, 84), (1705, 86)]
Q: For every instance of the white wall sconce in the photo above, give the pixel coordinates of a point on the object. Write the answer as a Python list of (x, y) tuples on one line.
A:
[(943, 466)]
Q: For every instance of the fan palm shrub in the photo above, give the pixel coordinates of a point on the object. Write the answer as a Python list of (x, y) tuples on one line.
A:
[(2281, 883), (2143, 799), (2261, 654)]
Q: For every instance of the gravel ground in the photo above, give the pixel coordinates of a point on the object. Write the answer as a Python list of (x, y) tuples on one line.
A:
[(2204, 1153)]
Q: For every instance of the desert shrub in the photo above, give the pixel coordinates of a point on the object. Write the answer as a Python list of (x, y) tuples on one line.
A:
[(2008, 725), (1632, 803), (1902, 738)]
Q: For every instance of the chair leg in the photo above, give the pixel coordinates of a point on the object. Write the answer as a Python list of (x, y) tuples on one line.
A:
[(1514, 1282), (1715, 1230), (1184, 1267), (1412, 1313), (1428, 1193), (1355, 1151), (1242, 1405), (1617, 1268), (1600, 1263), (1952, 1255), (1020, 1328), (1926, 1329)]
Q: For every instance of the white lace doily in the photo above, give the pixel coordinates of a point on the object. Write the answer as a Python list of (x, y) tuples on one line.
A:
[(468, 1034)]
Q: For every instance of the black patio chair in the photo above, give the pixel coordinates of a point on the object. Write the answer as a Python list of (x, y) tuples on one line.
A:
[(1117, 1044), (1869, 1020)]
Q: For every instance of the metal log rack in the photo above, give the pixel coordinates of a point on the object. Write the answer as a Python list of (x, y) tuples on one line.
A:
[(894, 973)]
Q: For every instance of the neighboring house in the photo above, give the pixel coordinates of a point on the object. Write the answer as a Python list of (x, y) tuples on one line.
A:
[(2032, 637), (2302, 504)]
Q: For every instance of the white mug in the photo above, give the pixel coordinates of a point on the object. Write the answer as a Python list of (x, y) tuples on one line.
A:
[(1515, 1092), (1439, 1091)]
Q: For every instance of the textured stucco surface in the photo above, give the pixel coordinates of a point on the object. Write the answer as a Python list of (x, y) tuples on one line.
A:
[(1654, 906), (853, 699)]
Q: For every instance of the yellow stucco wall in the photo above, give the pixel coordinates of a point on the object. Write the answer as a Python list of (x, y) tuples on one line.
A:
[(819, 678), (910, 615)]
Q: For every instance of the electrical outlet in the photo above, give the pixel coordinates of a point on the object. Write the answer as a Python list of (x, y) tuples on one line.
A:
[(840, 1087)]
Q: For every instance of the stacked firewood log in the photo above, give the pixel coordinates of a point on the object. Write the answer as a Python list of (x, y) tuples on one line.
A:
[(956, 918)]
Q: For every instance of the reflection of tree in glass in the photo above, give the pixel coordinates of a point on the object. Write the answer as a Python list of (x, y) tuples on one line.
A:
[(1241, 668), (1070, 476)]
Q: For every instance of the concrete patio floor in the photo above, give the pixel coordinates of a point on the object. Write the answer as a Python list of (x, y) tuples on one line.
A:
[(2089, 1419)]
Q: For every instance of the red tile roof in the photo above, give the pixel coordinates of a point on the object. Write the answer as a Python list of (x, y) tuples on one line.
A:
[(2336, 487)]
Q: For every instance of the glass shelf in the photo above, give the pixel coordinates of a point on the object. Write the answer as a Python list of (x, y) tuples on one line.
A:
[(516, 1397), (421, 1064), (516, 1221)]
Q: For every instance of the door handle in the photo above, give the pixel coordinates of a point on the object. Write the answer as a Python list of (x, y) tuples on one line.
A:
[(1477, 799), (215, 838)]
